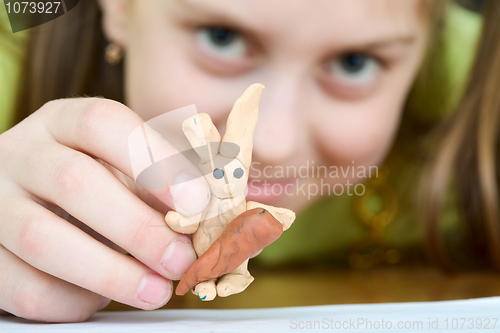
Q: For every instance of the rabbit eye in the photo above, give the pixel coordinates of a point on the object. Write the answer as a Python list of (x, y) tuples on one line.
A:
[(218, 173), (238, 173)]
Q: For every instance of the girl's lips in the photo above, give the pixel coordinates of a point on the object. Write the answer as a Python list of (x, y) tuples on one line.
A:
[(268, 191)]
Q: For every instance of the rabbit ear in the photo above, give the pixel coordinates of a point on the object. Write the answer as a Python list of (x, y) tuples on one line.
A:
[(202, 135), (241, 124)]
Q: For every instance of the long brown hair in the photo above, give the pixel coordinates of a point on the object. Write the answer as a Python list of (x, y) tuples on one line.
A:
[(65, 59), (466, 165)]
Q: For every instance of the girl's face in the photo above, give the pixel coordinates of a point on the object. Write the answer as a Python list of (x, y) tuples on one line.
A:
[(336, 75)]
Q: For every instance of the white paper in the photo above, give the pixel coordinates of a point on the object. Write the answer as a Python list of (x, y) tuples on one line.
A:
[(450, 316)]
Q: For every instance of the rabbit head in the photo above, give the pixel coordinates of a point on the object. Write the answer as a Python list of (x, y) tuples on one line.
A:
[(225, 163)]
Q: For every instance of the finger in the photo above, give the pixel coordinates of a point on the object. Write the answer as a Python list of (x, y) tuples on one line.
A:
[(114, 133), (104, 303), (89, 192), (256, 254), (52, 245), (35, 295)]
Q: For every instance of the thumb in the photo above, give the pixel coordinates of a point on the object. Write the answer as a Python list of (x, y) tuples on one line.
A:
[(167, 173)]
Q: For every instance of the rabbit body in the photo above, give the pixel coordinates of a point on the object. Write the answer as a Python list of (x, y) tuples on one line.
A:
[(210, 229)]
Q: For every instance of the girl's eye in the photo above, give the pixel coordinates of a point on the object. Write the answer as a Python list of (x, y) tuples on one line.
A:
[(354, 69), (222, 42)]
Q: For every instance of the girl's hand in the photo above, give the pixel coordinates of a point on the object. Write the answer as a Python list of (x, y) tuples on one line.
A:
[(51, 270)]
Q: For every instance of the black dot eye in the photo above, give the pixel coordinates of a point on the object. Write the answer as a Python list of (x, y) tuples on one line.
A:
[(218, 173), (238, 173)]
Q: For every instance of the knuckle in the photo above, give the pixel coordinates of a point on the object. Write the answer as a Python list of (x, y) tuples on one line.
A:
[(31, 299), (111, 283), (50, 105), (83, 308), (141, 228), (97, 114), (27, 304), (48, 110), (32, 237), (36, 300), (71, 174)]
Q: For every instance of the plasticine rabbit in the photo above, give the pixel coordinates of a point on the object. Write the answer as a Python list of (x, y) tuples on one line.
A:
[(225, 164)]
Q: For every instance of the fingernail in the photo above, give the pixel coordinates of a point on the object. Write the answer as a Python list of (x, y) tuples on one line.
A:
[(154, 290), (178, 257), (104, 303), (190, 194)]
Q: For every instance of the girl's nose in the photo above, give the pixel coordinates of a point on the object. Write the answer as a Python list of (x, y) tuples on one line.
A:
[(280, 125)]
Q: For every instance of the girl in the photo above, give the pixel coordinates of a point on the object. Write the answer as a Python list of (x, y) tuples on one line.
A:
[(337, 76)]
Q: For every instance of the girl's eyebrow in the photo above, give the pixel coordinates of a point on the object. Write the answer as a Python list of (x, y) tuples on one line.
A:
[(212, 11), (223, 15), (387, 42)]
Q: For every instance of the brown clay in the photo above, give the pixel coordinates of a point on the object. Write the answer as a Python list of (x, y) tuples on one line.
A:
[(248, 233)]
